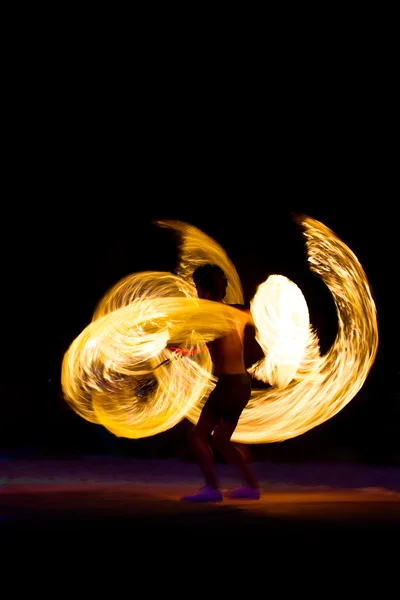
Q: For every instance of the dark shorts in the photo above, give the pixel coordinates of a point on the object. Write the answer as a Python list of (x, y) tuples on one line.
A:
[(229, 397)]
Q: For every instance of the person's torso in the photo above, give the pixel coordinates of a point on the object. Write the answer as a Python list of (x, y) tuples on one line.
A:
[(227, 352)]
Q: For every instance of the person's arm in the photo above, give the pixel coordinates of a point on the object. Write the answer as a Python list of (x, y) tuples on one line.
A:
[(250, 317), (250, 320)]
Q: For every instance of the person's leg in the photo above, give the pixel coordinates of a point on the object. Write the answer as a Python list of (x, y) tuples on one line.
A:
[(222, 440), (235, 393), (205, 459), (244, 451), (201, 447)]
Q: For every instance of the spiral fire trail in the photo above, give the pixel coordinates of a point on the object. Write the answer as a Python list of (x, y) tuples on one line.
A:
[(142, 364)]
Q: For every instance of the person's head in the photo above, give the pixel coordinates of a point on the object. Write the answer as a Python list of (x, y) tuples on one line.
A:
[(210, 282)]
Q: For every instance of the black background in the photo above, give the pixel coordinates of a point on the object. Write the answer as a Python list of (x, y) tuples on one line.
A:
[(95, 156)]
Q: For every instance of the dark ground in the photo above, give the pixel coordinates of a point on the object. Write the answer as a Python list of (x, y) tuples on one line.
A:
[(97, 497)]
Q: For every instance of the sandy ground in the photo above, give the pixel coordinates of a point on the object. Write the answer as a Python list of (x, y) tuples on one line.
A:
[(94, 517), (145, 495)]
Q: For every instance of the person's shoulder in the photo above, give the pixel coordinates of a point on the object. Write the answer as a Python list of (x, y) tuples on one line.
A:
[(245, 309)]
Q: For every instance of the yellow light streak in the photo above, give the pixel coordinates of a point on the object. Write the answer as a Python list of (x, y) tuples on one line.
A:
[(142, 364)]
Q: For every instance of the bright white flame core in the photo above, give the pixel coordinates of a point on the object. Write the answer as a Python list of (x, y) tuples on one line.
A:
[(281, 315)]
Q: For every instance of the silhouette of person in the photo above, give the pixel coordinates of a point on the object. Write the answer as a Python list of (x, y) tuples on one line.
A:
[(226, 402)]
